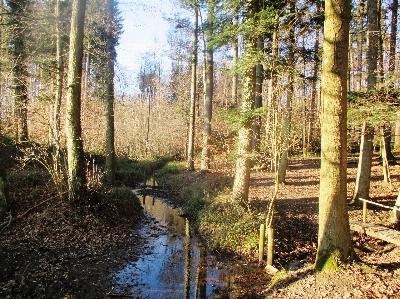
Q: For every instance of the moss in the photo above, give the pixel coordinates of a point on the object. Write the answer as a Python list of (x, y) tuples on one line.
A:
[(328, 262)]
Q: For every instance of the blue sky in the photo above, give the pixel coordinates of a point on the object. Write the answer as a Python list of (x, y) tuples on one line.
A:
[(144, 30)]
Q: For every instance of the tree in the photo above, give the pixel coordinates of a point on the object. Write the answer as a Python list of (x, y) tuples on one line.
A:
[(75, 154), (363, 179), (240, 189), (290, 94), (193, 91), (18, 60), (334, 242), (111, 37), (393, 37), (258, 98), (373, 41), (208, 89)]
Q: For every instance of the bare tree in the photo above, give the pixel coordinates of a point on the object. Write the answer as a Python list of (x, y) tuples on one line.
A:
[(76, 163)]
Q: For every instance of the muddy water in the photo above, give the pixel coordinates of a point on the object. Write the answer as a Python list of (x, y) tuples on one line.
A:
[(174, 263)]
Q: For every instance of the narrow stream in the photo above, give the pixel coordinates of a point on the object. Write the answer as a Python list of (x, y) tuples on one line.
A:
[(174, 263)]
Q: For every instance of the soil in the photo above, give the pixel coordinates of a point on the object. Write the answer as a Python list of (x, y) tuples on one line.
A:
[(60, 252)]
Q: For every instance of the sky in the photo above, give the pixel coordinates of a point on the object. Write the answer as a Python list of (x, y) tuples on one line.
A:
[(144, 30)]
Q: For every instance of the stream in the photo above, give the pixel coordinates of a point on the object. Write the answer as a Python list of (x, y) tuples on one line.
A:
[(174, 263)]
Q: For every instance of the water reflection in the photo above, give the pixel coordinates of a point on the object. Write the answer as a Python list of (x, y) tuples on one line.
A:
[(175, 264)]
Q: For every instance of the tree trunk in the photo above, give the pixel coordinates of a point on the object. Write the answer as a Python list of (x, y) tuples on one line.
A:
[(76, 163), (394, 217), (360, 43), (363, 179), (208, 91), (380, 74), (311, 138), (193, 92), (334, 241), (59, 89), (373, 43), (393, 38), (271, 101), (240, 190), (109, 96), (18, 56), (235, 46), (258, 99), (397, 135), (290, 94), (387, 138)]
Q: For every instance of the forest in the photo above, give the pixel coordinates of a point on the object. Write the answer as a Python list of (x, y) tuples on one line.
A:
[(268, 123)]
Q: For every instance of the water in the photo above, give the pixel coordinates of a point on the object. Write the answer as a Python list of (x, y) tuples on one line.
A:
[(174, 263)]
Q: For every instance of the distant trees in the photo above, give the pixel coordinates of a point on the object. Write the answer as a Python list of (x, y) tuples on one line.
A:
[(17, 50)]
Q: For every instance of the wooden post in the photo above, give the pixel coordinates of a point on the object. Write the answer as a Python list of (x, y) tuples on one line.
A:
[(261, 243), (364, 211), (154, 178), (270, 256), (187, 227)]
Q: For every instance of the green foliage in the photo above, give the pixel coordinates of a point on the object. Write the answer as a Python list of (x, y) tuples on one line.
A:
[(171, 168), (376, 106), (130, 171), (231, 226), (29, 179)]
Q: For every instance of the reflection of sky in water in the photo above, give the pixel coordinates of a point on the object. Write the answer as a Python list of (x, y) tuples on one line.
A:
[(160, 272)]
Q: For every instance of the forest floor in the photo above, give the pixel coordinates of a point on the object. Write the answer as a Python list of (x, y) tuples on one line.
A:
[(377, 276), (56, 251)]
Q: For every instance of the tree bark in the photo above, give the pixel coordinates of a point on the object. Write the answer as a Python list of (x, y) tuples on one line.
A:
[(75, 154), (334, 241), (271, 100), (373, 43), (393, 37), (235, 47), (363, 179), (290, 94), (311, 138), (109, 96), (258, 99), (193, 92), (240, 190), (208, 91)]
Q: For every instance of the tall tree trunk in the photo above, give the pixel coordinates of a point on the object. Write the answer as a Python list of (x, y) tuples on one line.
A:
[(76, 163), (193, 92), (109, 95), (290, 94), (271, 100), (311, 138), (363, 179), (59, 86), (373, 43), (17, 50), (258, 99), (240, 190), (393, 37), (380, 74), (360, 43), (235, 47), (208, 90), (334, 241)]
